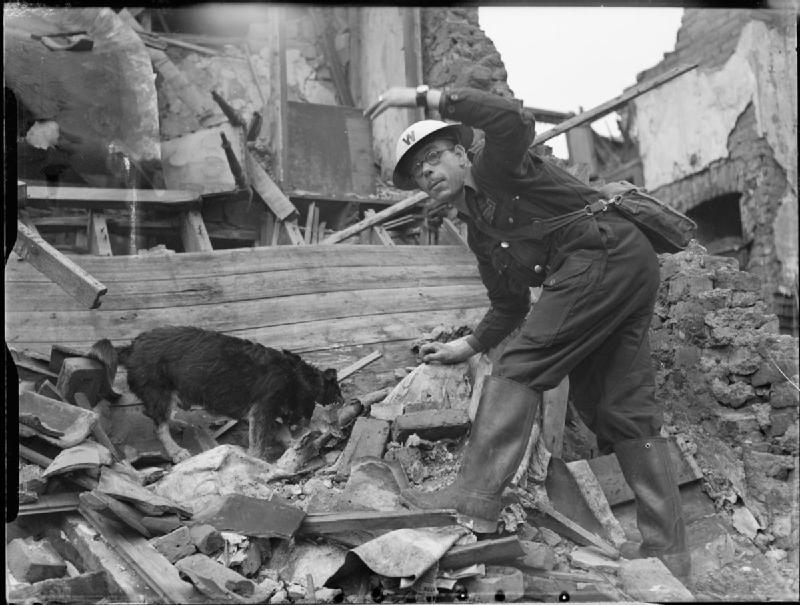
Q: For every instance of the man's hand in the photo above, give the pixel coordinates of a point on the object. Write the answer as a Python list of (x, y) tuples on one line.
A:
[(455, 351), (399, 96)]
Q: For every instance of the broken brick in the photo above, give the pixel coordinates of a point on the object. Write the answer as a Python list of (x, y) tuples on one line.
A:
[(87, 376), (431, 424), (32, 561), (174, 545), (206, 538)]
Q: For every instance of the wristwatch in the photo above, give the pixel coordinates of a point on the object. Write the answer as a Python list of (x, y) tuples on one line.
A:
[(422, 95)]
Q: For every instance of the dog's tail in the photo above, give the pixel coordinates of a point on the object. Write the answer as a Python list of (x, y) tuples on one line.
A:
[(111, 357)]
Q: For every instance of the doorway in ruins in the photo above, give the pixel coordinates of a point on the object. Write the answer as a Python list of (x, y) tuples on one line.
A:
[(719, 227)]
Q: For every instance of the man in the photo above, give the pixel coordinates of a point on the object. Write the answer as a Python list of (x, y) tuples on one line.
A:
[(599, 276)]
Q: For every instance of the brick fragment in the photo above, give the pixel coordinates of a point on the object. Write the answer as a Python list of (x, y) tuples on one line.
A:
[(174, 545), (431, 424), (206, 538), (32, 561)]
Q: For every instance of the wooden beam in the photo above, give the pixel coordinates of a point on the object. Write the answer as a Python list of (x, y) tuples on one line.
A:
[(375, 219), (293, 231), (193, 233), (334, 523), (382, 235), (51, 503), (307, 236), (99, 244), (548, 115), (453, 232), (153, 567), (105, 198), (605, 108), (266, 188), (355, 367), (554, 415), (76, 282)]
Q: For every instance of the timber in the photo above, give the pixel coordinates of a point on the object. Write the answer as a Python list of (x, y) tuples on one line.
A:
[(605, 108), (266, 188), (355, 367), (31, 247), (334, 523), (376, 218), (485, 551), (92, 198)]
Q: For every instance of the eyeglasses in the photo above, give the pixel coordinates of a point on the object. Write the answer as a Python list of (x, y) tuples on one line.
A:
[(433, 157)]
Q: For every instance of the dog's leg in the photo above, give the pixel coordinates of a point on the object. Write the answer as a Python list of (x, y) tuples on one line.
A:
[(257, 438), (159, 406)]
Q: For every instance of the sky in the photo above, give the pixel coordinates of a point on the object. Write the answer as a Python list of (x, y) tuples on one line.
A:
[(565, 58)]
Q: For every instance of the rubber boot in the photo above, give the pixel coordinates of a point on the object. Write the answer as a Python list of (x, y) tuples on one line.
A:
[(647, 467), (493, 452)]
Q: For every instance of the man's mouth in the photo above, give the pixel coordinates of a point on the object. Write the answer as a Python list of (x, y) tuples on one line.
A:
[(435, 183)]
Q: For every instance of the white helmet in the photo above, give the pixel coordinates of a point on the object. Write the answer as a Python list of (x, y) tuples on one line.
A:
[(416, 134)]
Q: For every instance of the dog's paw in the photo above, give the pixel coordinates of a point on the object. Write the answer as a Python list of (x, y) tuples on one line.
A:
[(180, 455)]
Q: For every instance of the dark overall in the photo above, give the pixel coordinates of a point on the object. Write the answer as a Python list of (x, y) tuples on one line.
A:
[(599, 278)]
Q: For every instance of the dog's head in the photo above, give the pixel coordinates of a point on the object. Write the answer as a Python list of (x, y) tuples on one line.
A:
[(315, 387)]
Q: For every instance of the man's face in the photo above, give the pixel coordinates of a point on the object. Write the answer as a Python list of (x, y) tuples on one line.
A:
[(439, 168)]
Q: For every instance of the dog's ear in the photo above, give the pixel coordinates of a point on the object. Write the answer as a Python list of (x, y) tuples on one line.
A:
[(330, 375)]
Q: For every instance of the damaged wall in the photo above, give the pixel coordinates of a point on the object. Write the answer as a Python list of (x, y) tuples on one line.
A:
[(730, 127), (729, 383)]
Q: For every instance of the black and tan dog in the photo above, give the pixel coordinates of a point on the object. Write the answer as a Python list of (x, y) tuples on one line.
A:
[(224, 375)]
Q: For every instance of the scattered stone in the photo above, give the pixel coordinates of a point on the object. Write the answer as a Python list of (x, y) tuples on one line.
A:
[(174, 545), (776, 554), (744, 522), (367, 438), (591, 559), (550, 537), (33, 561), (538, 556), (650, 581), (206, 538), (31, 480), (120, 486)]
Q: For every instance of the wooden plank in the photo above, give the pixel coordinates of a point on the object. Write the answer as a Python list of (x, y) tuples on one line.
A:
[(609, 474), (51, 503), (355, 367), (309, 223), (156, 571), (99, 243), (315, 226), (247, 260), (595, 498), (31, 247), (554, 414), (268, 191), (548, 511), (251, 313), (580, 146), (98, 198), (367, 438), (293, 231), (485, 551), (549, 116), (334, 523), (382, 235), (605, 108), (376, 218), (452, 231), (308, 336), (193, 233)]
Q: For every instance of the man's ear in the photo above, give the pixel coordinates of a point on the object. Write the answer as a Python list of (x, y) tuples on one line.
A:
[(462, 154)]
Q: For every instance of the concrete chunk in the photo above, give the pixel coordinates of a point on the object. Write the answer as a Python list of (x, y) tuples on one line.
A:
[(649, 580), (32, 561), (538, 556), (174, 545)]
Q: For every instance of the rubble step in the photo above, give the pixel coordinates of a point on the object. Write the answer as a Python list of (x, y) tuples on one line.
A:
[(431, 425)]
